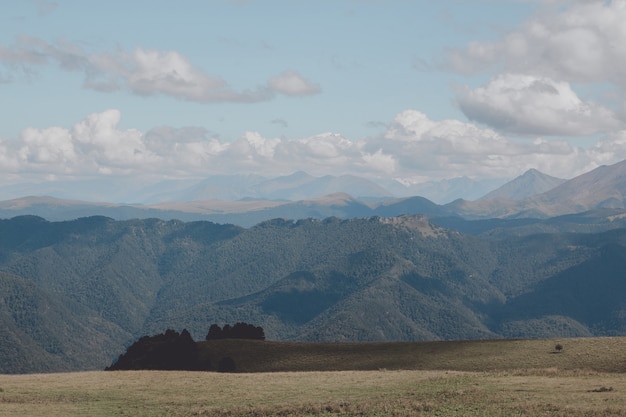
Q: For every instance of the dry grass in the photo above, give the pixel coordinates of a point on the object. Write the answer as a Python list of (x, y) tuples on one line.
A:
[(488, 378), (548, 392)]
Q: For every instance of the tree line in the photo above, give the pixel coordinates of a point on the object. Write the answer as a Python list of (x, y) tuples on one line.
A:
[(178, 351), (238, 331)]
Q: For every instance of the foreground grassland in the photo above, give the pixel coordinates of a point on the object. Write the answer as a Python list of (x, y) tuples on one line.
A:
[(347, 393), (495, 378)]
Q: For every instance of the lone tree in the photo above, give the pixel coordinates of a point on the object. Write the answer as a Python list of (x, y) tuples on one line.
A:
[(215, 332)]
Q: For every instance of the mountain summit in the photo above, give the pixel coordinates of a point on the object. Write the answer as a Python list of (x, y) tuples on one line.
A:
[(530, 183), (604, 187)]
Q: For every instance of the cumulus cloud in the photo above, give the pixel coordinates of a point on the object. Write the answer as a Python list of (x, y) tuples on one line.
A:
[(424, 148), (413, 148), (100, 140), (565, 46), (152, 72), (47, 146), (148, 72), (94, 145), (529, 105), (145, 72), (580, 43), (445, 149)]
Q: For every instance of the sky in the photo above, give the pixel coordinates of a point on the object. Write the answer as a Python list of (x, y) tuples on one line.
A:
[(384, 89)]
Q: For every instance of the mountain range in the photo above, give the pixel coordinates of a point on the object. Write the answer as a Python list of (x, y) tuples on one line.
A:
[(533, 195), (292, 187)]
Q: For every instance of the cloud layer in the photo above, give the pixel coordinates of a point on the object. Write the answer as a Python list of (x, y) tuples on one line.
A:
[(412, 149)]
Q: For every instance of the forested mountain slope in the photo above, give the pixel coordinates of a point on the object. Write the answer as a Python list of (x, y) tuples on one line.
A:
[(75, 293)]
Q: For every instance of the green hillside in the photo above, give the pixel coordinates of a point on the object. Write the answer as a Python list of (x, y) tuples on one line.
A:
[(76, 293)]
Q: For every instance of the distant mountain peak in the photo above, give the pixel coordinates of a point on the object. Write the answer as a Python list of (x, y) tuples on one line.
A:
[(603, 187), (532, 172), (299, 175), (531, 182)]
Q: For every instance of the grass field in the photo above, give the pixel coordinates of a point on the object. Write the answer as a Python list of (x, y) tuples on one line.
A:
[(604, 354), (515, 384)]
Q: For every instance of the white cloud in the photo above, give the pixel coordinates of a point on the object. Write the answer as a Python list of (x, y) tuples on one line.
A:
[(48, 146), (101, 140), (445, 149), (9, 161), (565, 47), (321, 154), (148, 72), (409, 125), (529, 105), (253, 144), (379, 161), (449, 148), (94, 145), (151, 72), (582, 42), (144, 72)]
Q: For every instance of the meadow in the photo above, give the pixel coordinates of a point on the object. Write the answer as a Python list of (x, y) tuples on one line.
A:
[(516, 384)]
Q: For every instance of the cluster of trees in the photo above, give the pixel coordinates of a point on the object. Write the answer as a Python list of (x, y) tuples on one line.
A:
[(238, 331), (165, 351), (178, 351)]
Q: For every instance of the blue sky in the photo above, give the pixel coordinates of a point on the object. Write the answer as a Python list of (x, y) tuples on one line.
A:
[(411, 90)]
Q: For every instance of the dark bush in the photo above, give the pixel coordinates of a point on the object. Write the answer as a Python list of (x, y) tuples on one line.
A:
[(215, 333), (165, 351), (238, 331), (226, 364)]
